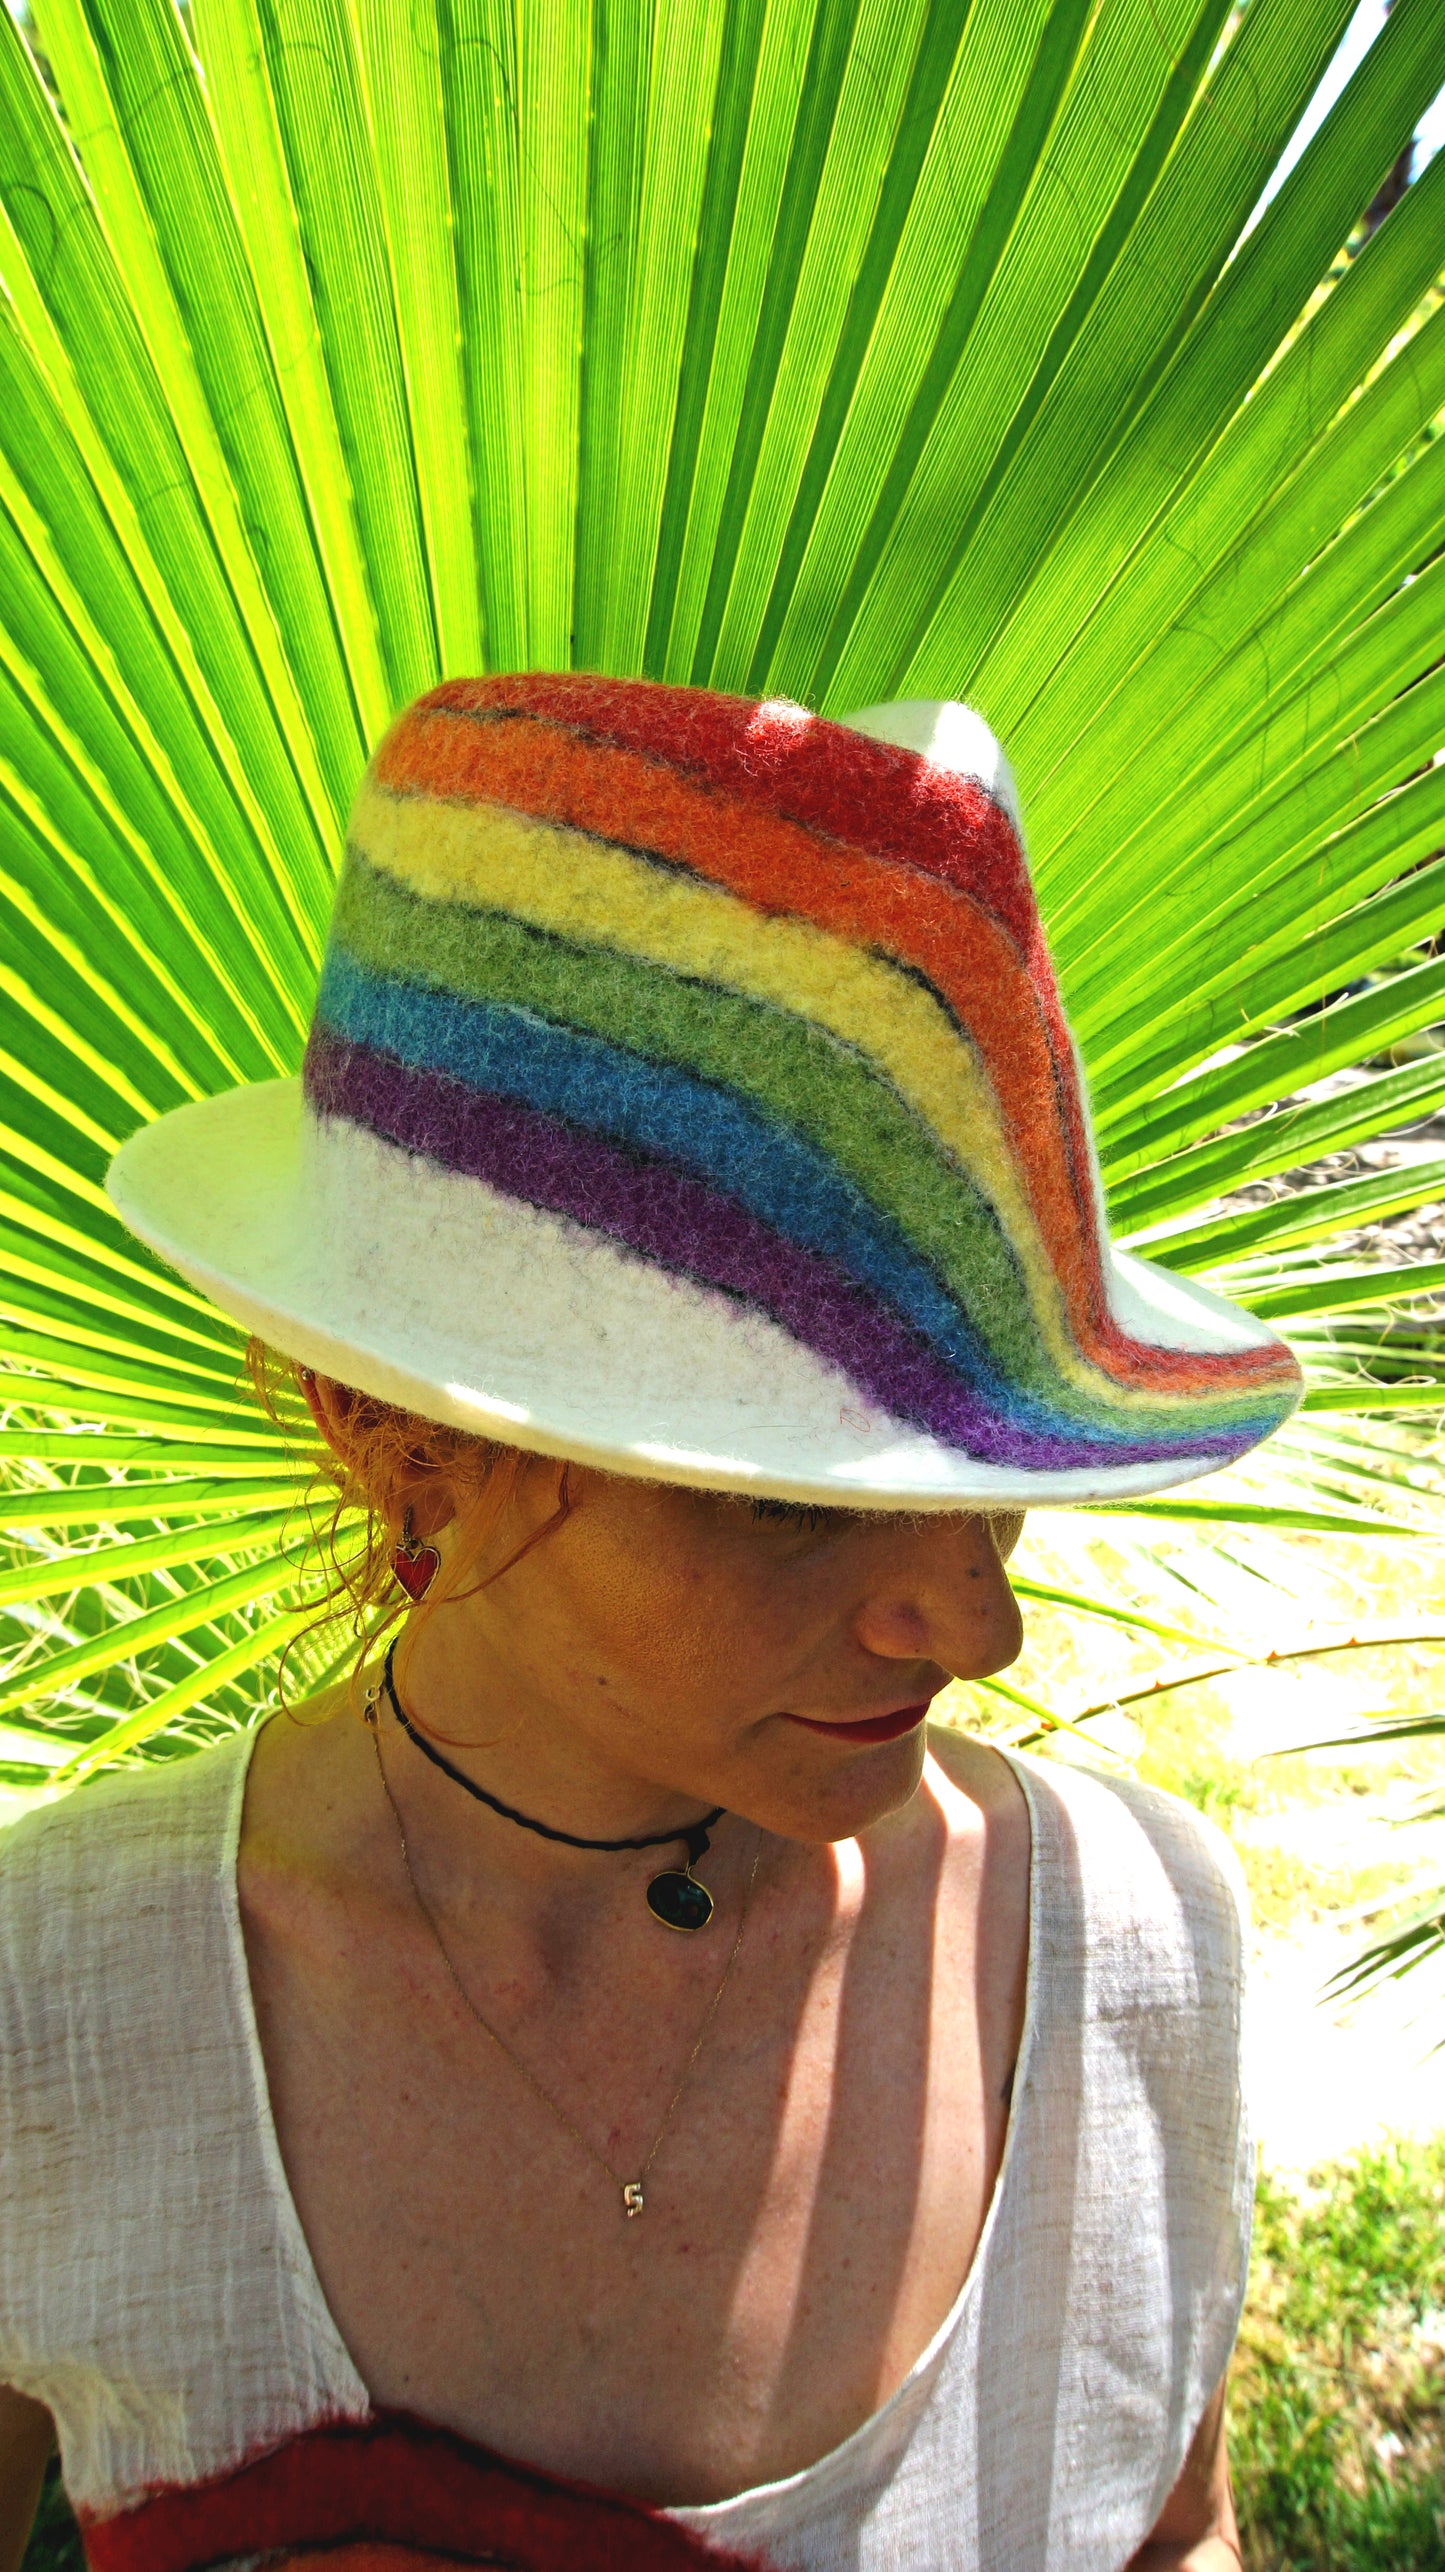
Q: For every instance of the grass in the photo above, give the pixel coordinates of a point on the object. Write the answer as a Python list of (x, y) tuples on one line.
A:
[(1337, 2402), (55, 2544)]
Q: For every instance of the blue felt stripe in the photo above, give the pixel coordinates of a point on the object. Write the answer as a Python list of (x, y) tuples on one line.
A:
[(674, 1116)]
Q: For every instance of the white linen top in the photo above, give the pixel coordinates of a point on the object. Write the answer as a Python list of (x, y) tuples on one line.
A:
[(158, 2294)]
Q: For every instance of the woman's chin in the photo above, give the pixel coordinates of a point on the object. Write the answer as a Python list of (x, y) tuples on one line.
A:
[(837, 1790)]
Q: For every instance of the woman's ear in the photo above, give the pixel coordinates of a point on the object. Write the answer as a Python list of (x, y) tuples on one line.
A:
[(422, 1491), (330, 1405)]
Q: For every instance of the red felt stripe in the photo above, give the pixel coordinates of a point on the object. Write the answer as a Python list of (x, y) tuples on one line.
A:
[(394, 2482), (367, 2557), (774, 758)]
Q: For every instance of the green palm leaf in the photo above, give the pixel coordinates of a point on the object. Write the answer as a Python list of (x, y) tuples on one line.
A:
[(838, 348)]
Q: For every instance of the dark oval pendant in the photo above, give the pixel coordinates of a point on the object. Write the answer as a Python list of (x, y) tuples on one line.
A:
[(679, 1901)]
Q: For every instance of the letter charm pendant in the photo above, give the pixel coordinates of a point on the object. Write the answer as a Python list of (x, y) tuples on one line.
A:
[(632, 2197)]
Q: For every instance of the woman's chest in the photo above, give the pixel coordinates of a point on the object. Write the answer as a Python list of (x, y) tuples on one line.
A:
[(813, 2190)]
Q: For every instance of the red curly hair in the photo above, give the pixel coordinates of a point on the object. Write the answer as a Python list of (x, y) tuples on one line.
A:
[(390, 1455)]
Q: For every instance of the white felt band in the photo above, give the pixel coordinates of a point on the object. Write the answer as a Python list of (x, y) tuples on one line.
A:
[(434, 1291)]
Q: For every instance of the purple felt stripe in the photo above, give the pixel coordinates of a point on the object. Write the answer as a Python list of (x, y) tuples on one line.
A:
[(690, 1229)]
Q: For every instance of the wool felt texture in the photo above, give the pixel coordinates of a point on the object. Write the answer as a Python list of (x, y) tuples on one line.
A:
[(695, 1231), (584, 888), (394, 2494), (779, 759), (486, 1055), (961, 952), (769, 1002), (695, 937), (939, 938), (805, 1084)]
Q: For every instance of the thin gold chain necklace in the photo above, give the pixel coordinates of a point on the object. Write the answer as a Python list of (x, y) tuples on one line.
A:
[(632, 2189)]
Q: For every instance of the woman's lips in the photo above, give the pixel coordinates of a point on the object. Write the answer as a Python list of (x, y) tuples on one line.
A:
[(871, 1727)]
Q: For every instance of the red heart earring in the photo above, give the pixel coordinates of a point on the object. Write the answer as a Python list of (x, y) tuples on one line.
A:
[(415, 1565)]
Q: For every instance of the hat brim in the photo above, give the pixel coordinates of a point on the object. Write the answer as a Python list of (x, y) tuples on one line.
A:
[(515, 1324)]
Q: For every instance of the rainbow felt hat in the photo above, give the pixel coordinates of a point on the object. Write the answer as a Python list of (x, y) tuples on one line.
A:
[(689, 1094)]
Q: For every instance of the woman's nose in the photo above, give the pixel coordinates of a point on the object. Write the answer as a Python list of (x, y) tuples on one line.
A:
[(942, 1595)]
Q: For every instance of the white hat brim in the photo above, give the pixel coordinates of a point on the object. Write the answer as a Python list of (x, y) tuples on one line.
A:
[(430, 1290)]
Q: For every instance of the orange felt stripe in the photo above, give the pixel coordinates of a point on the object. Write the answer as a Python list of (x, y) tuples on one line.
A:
[(879, 798), (873, 796), (779, 866)]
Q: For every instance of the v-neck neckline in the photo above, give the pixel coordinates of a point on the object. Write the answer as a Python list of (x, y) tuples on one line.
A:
[(336, 2370)]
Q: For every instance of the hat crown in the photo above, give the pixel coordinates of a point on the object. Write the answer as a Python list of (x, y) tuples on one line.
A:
[(950, 736), (762, 1000)]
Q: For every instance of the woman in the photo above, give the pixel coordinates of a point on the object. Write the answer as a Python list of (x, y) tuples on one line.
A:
[(611, 2089)]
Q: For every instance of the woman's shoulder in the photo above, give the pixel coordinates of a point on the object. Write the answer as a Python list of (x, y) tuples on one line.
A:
[(1132, 1890), (173, 1805), (1139, 1891)]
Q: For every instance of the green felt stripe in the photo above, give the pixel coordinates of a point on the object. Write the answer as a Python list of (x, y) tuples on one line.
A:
[(792, 1070)]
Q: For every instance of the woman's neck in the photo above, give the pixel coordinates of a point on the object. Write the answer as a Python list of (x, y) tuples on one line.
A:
[(517, 1743)]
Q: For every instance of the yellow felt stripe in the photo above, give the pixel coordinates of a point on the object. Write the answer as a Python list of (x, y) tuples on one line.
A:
[(595, 893)]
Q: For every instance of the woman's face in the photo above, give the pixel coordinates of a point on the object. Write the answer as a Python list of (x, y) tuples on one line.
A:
[(726, 1649)]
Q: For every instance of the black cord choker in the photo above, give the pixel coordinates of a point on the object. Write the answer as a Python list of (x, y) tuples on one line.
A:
[(675, 1897)]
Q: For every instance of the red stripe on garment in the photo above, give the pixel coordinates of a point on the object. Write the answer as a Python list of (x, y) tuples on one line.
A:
[(775, 864), (393, 2482), (779, 759)]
